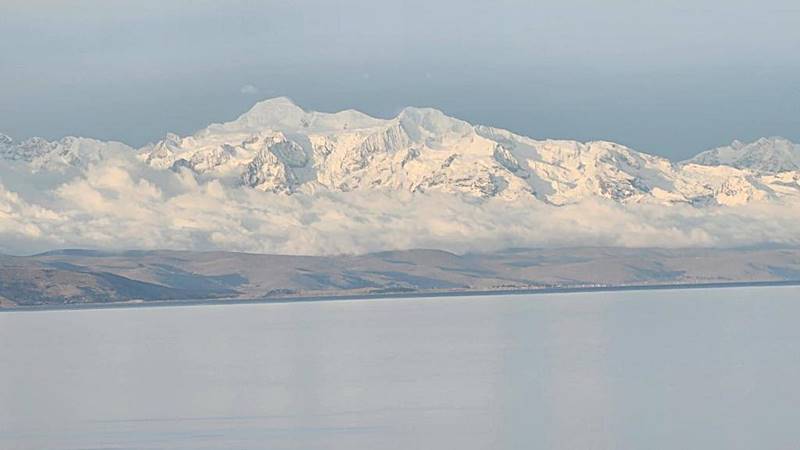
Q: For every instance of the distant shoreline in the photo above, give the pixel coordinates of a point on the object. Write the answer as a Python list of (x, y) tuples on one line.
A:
[(396, 296)]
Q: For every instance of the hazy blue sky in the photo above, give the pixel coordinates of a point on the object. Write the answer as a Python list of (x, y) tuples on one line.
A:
[(668, 77)]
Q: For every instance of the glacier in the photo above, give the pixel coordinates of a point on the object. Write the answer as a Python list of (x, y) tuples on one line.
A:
[(281, 179)]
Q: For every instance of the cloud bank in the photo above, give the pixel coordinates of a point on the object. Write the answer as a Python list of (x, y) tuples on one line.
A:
[(123, 205), (249, 89)]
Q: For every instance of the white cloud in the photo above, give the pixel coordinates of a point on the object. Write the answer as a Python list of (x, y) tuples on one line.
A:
[(249, 89), (121, 206)]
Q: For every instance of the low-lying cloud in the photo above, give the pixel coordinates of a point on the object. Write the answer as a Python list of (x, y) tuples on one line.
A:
[(121, 205)]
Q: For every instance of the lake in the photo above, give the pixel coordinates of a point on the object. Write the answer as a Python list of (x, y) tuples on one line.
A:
[(698, 368)]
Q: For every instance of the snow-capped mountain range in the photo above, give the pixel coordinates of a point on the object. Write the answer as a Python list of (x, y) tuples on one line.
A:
[(279, 147), (770, 155), (42, 155), (280, 179)]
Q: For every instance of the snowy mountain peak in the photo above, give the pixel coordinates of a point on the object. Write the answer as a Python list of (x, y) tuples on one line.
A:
[(281, 101), (767, 155), (277, 146), (272, 107), (5, 140), (41, 154), (282, 114), (432, 121), (277, 112)]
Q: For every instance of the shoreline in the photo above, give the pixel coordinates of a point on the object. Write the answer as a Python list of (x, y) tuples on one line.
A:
[(395, 296)]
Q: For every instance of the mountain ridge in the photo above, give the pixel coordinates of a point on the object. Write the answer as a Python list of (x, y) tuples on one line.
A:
[(767, 154), (91, 277), (283, 114), (280, 179), (286, 103), (417, 150)]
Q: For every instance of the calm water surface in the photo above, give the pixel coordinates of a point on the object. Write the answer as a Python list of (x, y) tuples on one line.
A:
[(701, 369)]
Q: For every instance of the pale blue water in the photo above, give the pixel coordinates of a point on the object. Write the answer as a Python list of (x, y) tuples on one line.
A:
[(693, 369)]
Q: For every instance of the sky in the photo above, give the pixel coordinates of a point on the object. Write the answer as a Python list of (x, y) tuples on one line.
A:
[(667, 77)]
